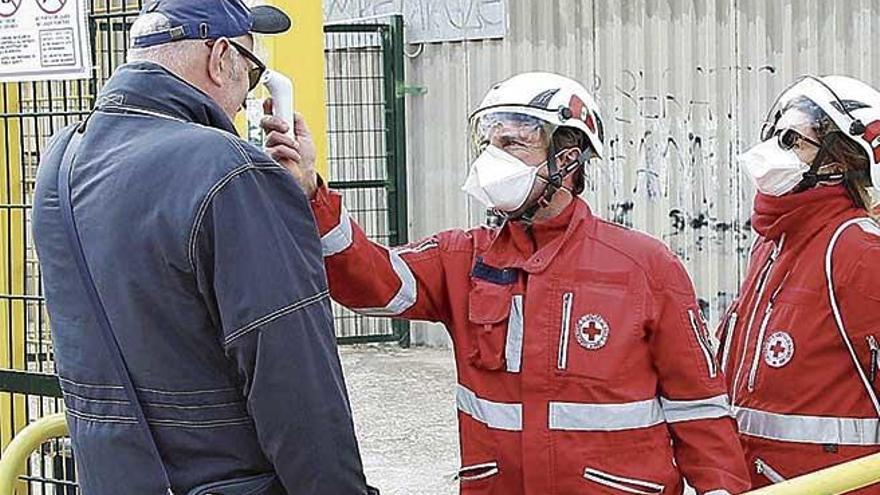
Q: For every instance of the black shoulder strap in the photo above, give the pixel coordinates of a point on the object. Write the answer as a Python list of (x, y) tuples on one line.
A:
[(97, 306)]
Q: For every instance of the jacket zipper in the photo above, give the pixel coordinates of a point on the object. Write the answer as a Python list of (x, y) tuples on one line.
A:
[(479, 472), (762, 285), (759, 344), (768, 472), (567, 300), (704, 345), (628, 485), (875, 357), (728, 340)]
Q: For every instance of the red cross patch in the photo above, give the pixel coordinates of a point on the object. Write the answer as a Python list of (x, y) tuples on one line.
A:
[(592, 332), (779, 349)]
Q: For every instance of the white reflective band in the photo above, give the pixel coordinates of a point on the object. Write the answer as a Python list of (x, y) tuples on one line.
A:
[(808, 429), (496, 415), (870, 226), (605, 417), (405, 297), (513, 348), (340, 238), (717, 492), (689, 410)]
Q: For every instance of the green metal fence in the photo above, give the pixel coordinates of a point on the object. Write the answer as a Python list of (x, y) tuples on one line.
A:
[(367, 147), (367, 161)]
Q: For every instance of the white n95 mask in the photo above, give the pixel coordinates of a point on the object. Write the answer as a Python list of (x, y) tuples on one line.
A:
[(773, 170), (499, 180)]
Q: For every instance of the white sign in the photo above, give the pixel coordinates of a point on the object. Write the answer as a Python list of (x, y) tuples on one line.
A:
[(44, 39), (428, 20)]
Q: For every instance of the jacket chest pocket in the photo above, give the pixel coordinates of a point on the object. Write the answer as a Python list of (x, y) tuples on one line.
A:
[(496, 316), (598, 330), (778, 329)]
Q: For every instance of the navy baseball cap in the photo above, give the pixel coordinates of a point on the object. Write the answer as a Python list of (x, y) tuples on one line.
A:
[(211, 19)]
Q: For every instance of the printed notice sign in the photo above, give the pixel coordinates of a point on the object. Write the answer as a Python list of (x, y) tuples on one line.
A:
[(44, 39)]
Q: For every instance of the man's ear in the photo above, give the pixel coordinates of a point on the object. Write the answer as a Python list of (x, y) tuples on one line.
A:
[(218, 61)]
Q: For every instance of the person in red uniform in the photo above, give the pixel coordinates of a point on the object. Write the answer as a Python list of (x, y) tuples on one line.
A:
[(800, 345), (583, 363)]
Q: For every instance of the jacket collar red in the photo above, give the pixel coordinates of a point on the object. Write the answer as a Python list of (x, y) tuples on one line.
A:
[(801, 214), (515, 247)]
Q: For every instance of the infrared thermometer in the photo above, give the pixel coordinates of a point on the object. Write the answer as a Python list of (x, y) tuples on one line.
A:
[(281, 89)]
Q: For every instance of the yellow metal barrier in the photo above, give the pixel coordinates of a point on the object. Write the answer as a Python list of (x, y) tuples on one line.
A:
[(14, 459), (834, 480)]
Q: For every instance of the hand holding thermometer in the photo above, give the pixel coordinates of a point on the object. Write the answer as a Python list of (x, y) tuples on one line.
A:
[(281, 89)]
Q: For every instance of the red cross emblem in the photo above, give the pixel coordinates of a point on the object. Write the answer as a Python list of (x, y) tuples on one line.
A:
[(592, 332), (779, 349)]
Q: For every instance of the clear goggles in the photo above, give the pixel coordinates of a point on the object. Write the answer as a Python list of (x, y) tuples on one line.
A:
[(512, 132)]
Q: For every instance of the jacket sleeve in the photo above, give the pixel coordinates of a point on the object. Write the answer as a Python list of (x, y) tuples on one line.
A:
[(406, 282), (257, 257), (856, 271), (692, 391)]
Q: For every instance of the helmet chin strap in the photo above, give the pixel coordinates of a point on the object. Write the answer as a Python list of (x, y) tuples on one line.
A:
[(553, 183), (812, 178)]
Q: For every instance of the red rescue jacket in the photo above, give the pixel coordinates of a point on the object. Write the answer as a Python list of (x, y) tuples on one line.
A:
[(583, 363), (800, 345)]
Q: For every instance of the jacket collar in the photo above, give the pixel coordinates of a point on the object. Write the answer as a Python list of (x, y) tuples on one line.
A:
[(150, 87), (514, 246), (803, 214)]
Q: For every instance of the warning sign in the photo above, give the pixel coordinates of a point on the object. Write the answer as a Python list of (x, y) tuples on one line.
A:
[(44, 39)]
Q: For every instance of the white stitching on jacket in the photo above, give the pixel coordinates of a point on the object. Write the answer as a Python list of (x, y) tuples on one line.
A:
[(301, 304)]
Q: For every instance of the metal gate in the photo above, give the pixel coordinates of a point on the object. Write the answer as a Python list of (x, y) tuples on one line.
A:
[(367, 143), (367, 155)]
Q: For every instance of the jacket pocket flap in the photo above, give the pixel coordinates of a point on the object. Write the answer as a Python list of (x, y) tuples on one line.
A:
[(489, 303)]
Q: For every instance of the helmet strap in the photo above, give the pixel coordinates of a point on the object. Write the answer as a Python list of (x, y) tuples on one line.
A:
[(812, 178), (555, 178)]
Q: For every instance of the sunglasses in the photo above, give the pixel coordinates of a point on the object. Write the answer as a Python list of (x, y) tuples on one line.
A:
[(255, 73), (787, 138)]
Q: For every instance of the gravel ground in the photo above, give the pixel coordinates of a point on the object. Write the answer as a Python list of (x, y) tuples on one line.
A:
[(404, 410)]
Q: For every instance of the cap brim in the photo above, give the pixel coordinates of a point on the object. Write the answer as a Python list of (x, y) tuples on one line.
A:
[(269, 20)]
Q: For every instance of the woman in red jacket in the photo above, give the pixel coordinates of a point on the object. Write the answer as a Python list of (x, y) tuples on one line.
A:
[(800, 345)]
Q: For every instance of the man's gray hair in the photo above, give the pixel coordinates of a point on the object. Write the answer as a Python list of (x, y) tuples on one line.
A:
[(173, 56)]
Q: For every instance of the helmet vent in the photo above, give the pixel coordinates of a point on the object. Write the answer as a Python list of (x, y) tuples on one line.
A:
[(543, 99)]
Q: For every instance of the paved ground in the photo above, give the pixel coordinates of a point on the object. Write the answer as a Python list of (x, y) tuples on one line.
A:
[(404, 410)]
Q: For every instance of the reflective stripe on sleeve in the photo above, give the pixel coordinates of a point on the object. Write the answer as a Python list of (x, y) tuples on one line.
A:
[(677, 411), (808, 429), (340, 238), (404, 299)]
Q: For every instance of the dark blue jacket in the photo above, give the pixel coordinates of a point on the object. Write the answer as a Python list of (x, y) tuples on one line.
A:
[(206, 256)]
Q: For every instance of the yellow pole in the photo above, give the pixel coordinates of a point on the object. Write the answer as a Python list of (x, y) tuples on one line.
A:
[(28, 440), (834, 480), (299, 55), (12, 330)]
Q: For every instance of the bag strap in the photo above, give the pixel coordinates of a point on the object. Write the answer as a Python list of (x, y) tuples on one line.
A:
[(97, 306)]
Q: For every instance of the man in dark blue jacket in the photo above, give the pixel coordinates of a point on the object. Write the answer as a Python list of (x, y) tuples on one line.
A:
[(205, 255)]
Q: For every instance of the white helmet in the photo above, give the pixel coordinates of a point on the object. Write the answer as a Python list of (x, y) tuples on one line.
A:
[(555, 100), (852, 105)]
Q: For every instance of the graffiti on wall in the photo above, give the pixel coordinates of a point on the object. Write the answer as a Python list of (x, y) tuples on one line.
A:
[(429, 20)]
